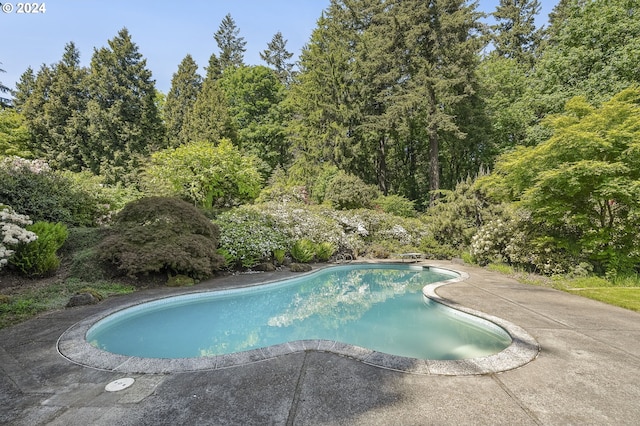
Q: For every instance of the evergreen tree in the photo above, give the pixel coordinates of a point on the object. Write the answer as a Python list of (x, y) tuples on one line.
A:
[(208, 120), (24, 88), (185, 86), (382, 83), (515, 35), (3, 89), (214, 69), (594, 54), (231, 46), (441, 48), (277, 55), (560, 13), (254, 95), (65, 113), (31, 98), (123, 118)]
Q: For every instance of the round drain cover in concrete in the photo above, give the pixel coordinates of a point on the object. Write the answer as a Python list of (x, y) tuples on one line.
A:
[(120, 384)]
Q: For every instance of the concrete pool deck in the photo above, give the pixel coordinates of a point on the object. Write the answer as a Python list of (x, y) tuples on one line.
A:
[(587, 372)]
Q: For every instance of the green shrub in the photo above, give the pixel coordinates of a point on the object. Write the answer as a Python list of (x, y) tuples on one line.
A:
[(322, 181), (39, 258), (346, 191), (396, 205), (432, 249), (46, 196), (248, 236), (324, 251), (303, 250), (81, 247), (278, 255), (163, 234)]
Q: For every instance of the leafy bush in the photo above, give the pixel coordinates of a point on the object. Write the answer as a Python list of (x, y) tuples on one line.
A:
[(489, 243), (32, 189), (582, 183), (432, 249), (346, 191), (204, 174), (322, 181), (162, 234), (38, 258), (82, 247), (12, 232), (109, 199), (324, 251), (249, 236), (457, 215), (396, 205), (303, 250)]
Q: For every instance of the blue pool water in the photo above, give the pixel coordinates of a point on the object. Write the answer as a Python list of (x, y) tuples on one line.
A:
[(380, 307)]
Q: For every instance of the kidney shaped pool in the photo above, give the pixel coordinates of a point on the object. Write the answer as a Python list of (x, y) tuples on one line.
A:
[(379, 307)]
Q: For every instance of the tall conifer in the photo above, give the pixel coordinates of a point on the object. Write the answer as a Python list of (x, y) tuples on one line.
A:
[(123, 118), (232, 47), (185, 87)]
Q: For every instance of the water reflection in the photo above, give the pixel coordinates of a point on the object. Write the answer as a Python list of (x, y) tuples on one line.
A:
[(376, 307)]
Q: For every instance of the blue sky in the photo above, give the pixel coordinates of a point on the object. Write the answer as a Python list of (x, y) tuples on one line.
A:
[(165, 31)]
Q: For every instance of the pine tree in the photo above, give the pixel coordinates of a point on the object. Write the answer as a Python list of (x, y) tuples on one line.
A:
[(515, 34), (185, 87), (277, 55), (65, 112), (558, 16), (254, 95), (214, 69), (441, 49), (231, 46), (123, 118), (24, 88), (3, 89), (209, 120), (31, 98)]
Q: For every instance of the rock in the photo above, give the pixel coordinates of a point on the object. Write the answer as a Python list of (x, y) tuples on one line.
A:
[(265, 267), (82, 299), (299, 267), (180, 281)]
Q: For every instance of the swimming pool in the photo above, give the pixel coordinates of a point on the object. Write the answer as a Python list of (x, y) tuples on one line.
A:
[(378, 307)]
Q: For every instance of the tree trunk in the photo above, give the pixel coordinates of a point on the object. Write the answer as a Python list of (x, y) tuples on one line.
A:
[(434, 166), (382, 165)]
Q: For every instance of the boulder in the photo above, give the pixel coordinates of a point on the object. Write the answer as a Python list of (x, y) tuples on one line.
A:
[(300, 267), (82, 299), (265, 267)]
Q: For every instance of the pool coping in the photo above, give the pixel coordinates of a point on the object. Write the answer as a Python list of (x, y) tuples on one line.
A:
[(523, 349)]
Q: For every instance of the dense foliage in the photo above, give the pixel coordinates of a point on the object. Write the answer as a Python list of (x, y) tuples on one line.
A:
[(161, 234), (38, 258), (581, 185), (372, 146), (205, 174)]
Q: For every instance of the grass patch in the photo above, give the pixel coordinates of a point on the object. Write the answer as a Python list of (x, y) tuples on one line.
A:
[(625, 297), (501, 268), (622, 291), (24, 305)]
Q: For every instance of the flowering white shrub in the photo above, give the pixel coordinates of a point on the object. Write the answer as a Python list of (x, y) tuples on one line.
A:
[(488, 244), (19, 163), (248, 236), (12, 232)]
